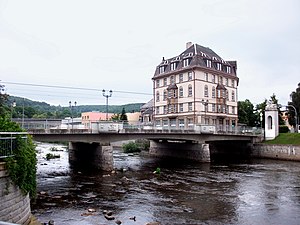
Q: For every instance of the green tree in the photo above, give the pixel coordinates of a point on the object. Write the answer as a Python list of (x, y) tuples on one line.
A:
[(295, 97), (246, 113), (123, 116)]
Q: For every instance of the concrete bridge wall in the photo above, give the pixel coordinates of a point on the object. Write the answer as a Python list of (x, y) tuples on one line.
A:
[(14, 205), (92, 155), (184, 150)]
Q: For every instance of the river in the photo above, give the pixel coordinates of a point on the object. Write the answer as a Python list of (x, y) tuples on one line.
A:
[(252, 192)]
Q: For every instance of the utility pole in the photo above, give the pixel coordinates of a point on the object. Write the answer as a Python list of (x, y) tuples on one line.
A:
[(107, 94)]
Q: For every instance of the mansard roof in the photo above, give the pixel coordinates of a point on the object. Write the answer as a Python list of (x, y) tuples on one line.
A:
[(198, 57)]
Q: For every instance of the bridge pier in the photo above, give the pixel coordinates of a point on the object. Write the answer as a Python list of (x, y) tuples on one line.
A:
[(184, 150), (93, 155)]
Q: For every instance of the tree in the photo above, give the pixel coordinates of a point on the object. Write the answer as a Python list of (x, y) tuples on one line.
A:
[(246, 113), (123, 116), (295, 97)]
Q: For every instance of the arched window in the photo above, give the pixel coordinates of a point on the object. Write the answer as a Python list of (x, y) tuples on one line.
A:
[(180, 91), (205, 91), (270, 125), (157, 96), (213, 92), (190, 90)]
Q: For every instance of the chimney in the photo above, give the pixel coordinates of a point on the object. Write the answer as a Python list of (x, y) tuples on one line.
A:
[(189, 44)]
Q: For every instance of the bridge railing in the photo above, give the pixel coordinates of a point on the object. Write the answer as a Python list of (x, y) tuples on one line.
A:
[(8, 142)]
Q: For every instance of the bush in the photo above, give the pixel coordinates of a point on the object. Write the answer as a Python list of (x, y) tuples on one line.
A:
[(22, 166), (131, 147), (283, 129)]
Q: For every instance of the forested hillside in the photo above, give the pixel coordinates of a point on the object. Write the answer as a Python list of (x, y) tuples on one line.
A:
[(35, 109)]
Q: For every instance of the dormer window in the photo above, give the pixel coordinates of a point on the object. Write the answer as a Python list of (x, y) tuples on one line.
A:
[(228, 69), (219, 66), (186, 62), (161, 69), (208, 63), (173, 66)]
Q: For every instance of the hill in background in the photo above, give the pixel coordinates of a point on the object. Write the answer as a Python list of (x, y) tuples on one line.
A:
[(36, 109)]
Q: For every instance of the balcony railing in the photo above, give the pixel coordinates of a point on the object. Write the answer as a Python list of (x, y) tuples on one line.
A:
[(8, 142)]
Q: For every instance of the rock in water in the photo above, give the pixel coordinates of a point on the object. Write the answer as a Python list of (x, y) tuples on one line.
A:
[(109, 217), (118, 222)]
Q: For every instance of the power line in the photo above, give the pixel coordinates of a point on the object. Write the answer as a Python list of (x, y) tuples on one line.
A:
[(73, 88)]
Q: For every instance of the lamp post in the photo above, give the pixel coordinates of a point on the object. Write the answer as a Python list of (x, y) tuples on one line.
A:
[(107, 94), (13, 105), (205, 103), (71, 109)]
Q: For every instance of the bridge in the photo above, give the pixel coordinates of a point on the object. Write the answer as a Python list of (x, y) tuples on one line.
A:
[(95, 147)]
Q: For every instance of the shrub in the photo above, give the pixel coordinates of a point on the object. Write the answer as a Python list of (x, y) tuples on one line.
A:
[(131, 147), (283, 129)]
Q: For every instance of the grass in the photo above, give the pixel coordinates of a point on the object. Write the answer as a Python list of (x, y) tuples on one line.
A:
[(285, 139)]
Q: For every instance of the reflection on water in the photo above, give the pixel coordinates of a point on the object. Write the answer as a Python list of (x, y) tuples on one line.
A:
[(257, 192)]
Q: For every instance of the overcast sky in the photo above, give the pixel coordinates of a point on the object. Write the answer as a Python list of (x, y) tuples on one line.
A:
[(117, 44)]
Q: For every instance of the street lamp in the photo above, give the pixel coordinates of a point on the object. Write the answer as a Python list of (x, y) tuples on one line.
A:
[(107, 94), (205, 103), (13, 105), (71, 109)]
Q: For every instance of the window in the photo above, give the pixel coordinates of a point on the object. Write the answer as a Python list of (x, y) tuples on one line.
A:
[(161, 69), (157, 96), (190, 122), (233, 110), (190, 76), (228, 69), (220, 80), (172, 80), (219, 66), (226, 81), (213, 78), (157, 123), (208, 63), (206, 76), (165, 82), (270, 122), (227, 109), (213, 107), (157, 83), (227, 95), (180, 107), (165, 123), (181, 122), (232, 83), (190, 90), (165, 109), (165, 95), (213, 92), (186, 62), (190, 106), (157, 110), (180, 91), (180, 77), (173, 122), (173, 66), (232, 96), (205, 91)]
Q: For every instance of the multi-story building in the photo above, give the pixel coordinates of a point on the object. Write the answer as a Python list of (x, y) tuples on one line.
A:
[(196, 87)]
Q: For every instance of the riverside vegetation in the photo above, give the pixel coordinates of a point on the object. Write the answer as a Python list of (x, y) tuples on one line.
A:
[(22, 165)]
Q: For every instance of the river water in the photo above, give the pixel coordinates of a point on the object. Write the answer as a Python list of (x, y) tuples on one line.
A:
[(253, 192)]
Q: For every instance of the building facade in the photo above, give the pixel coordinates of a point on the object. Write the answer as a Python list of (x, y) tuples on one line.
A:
[(196, 87)]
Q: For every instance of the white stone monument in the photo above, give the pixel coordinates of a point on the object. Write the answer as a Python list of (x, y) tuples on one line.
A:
[(271, 121)]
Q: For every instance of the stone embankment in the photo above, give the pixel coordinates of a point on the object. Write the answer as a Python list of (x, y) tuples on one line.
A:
[(284, 152), (15, 206)]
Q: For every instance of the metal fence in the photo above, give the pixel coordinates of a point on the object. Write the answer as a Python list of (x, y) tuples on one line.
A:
[(8, 143)]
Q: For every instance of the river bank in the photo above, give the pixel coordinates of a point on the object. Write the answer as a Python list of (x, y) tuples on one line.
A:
[(276, 151)]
